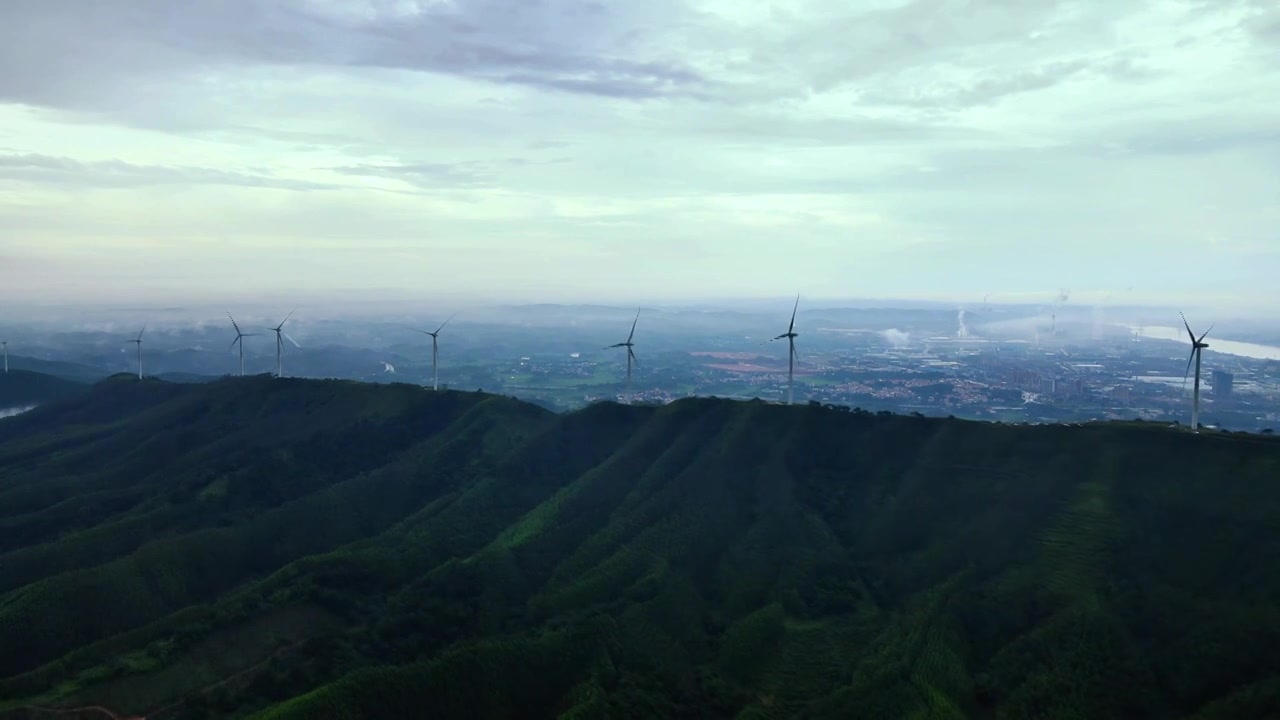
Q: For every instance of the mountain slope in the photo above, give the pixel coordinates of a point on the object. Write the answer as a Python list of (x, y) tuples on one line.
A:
[(23, 388), (327, 549), (75, 372)]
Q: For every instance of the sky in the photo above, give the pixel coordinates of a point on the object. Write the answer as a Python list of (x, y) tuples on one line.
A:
[(640, 150)]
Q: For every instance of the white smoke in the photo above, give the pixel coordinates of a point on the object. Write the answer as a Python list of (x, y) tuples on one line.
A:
[(10, 412), (388, 367), (896, 337), (963, 331)]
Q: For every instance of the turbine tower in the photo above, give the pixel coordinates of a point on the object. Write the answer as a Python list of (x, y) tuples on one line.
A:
[(137, 341), (280, 335), (631, 354), (240, 340), (1197, 346), (791, 336), (5, 343), (435, 352)]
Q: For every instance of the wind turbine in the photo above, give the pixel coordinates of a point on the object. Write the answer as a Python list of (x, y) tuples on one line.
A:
[(280, 335), (631, 354), (791, 336), (240, 339), (435, 352), (1197, 347), (5, 343), (137, 341)]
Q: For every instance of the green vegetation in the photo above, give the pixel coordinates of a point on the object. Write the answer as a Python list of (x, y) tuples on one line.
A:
[(23, 388), (282, 549)]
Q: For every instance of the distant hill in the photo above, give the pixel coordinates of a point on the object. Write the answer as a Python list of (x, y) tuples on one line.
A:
[(57, 368), (255, 547), (23, 388)]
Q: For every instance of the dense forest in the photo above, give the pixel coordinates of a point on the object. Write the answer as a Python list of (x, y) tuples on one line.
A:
[(284, 549), (22, 388)]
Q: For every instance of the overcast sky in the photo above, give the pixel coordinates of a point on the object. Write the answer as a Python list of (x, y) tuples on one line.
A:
[(641, 149)]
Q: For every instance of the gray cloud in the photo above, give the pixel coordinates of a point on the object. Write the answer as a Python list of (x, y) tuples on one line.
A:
[(70, 53), (120, 174)]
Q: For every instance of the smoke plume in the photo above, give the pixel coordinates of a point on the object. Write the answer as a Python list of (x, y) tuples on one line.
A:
[(896, 337)]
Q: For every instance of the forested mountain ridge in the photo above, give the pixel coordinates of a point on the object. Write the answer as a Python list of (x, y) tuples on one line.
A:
[(299, 549)]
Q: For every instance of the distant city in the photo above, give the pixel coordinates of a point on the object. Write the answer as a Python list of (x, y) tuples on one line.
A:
[(1010, 364)]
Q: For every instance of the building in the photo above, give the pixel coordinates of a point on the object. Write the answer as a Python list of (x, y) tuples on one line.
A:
[(1223, 385)]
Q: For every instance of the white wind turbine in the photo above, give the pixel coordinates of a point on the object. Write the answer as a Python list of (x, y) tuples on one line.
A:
[(240, 341), (138, 341), (5, 343), (631, 355), (435, 351), (791, 336), (1197, 346), (280, 335)]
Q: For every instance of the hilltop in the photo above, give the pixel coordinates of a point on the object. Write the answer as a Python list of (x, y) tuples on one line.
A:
[(254, 547)]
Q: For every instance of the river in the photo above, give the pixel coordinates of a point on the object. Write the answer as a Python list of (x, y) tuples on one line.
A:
[(1231, 347)]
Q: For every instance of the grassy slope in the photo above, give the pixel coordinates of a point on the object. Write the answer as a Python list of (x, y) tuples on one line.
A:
[(344, 550)]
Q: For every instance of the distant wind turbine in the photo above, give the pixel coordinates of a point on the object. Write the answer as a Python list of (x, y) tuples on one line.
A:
[(435, 351), (1197, 346), (5, 343), (280, 335), (791, 336), (631, 354), (138, 341), (240, 340)]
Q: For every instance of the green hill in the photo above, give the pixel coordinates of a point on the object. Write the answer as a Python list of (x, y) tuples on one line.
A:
[(303, 549), (23, 388), (72, 371)]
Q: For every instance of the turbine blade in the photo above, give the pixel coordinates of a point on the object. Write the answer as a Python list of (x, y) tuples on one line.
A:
[(633, 326), (1206, 334), (233, 342), (792, 326), (1188, 326), (446, 322), (144, 329), (233, 322), (1187, 374), (295, 342), (616, 345), (286, 317), (632, 354)]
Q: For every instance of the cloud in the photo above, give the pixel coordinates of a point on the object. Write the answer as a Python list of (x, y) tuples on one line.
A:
[(426, 175), (573, 45), (652, 148), (33, 168), (992, 87)]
